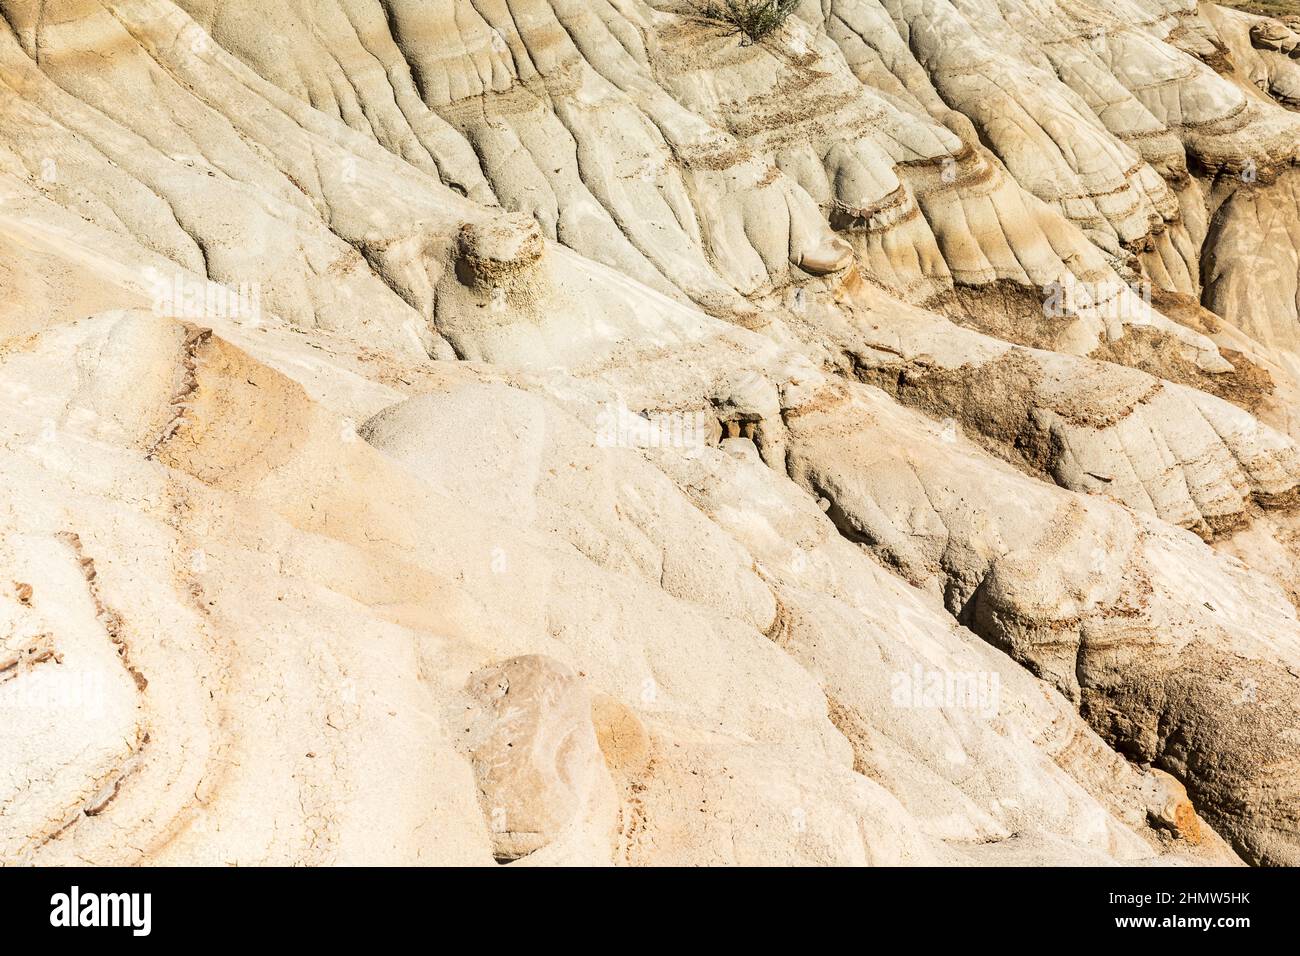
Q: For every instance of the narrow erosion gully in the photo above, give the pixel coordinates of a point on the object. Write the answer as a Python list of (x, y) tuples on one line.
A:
[(106, 787)]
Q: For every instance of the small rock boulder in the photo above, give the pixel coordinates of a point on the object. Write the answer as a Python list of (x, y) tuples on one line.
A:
[(1170, 809), (534, 750)]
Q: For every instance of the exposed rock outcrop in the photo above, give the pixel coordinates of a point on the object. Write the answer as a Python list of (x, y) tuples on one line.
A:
[(557, 432)]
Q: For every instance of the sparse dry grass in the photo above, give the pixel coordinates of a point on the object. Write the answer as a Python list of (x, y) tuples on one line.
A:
[(753, 18)]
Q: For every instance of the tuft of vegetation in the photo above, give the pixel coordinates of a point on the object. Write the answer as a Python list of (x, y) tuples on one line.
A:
[(754, 18)]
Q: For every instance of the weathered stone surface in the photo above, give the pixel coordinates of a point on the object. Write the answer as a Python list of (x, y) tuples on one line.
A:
[(554, 432), (533, 746)]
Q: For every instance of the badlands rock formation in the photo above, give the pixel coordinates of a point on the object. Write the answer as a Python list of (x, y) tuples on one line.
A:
[(560, 432)]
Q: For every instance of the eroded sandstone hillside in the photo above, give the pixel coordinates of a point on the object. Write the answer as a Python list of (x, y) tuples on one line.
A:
[(562, 431)]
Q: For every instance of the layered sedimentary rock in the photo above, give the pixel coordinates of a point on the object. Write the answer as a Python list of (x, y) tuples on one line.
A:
[(558, 431)]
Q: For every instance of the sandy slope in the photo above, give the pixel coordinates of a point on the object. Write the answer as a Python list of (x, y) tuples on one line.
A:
[(555, 431)]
